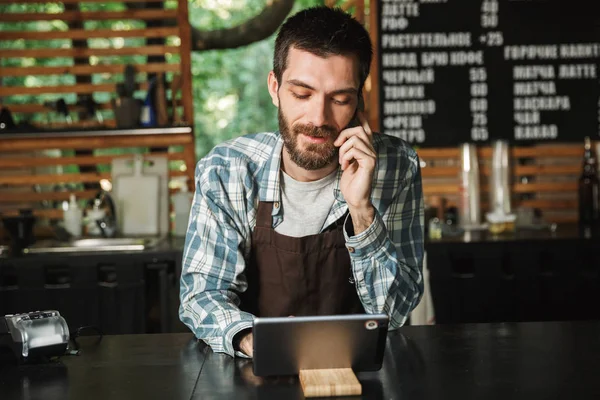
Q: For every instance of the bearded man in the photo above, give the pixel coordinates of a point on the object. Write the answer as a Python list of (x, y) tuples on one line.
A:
[(323, 217)]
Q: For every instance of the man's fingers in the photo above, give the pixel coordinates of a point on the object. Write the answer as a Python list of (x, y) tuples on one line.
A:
[(364, 149), (364, 129), (364, 159), (246, 345), (356, 133), (356, 154), (345, 134), (357, 143)]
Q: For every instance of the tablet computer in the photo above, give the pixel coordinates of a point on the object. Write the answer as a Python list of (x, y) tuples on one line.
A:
[(284, 346)]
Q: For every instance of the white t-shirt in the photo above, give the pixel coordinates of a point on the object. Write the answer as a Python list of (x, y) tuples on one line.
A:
[(305, 205)]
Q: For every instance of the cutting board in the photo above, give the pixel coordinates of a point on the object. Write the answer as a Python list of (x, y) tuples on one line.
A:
[(137, 201), (153, 165)]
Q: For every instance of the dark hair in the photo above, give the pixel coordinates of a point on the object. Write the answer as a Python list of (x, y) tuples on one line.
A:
[(323, 31)]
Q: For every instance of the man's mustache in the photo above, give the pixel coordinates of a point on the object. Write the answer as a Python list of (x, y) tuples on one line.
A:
[(316, 131)]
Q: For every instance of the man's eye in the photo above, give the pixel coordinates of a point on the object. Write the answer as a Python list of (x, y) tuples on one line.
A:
[(300, 96), (341, 102)]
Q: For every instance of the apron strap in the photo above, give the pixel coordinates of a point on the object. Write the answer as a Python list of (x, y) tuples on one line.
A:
[(263, 214)]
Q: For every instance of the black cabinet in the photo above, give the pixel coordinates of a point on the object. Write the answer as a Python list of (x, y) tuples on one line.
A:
[(162, 296), (120, 293), (515, 280)]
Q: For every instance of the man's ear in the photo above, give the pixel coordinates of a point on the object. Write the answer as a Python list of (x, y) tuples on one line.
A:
[(273, 86)]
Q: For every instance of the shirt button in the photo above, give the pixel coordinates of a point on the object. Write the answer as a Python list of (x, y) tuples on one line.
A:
[(351, 249), (276, 204)]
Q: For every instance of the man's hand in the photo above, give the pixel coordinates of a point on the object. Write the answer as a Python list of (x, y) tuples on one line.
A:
[(246, 344), (357, 158)]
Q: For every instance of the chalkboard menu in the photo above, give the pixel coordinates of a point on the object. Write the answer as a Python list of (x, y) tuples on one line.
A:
[(455, 71)]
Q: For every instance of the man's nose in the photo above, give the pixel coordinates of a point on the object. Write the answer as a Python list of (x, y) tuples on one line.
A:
[(318, 114)]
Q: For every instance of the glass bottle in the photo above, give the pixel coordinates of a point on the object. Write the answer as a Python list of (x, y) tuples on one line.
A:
[(589, 209)]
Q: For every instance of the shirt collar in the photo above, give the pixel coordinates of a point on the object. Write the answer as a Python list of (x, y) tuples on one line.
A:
[(269, 188)]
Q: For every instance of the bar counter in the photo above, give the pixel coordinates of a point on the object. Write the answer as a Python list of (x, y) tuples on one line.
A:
[(532, 360)]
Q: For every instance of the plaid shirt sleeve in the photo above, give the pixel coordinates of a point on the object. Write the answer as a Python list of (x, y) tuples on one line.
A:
[(213, 259), (387, 258)]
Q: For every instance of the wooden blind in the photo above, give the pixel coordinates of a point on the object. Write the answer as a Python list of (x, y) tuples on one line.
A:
[(92, 58), (35, 172), (42, 168)]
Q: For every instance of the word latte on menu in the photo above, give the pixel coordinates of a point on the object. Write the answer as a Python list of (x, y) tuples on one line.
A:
[(535, 87)]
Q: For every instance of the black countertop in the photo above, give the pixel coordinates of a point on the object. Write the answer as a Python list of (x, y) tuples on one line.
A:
[(168, 245), (540, 233), (563, 232), (539, 360), (119, 367), (30, 131)]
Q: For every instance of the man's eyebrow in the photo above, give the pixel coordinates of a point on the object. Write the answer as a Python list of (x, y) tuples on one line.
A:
[(296, 82)]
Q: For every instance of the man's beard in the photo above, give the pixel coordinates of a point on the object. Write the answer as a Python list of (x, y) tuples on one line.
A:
[(314, 156)]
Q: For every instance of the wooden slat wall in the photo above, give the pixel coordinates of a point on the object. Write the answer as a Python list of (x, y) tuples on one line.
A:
[(105, 68), (32, 170), (146, 15), (544, 177)]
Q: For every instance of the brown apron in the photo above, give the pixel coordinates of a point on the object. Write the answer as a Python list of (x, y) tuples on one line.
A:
[(309, 275)]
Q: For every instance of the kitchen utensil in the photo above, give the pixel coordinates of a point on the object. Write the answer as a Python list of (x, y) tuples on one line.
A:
[(137, 201), (129, 81), (120, 87), (6, 120), (499, 182), (90, 107), (148, 113), (20, 229), (153, 165), (127, 112), (159, 165), (470, 207), (60, 106)]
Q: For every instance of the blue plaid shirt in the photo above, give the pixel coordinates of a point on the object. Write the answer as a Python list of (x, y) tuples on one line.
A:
[(236, 175)]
